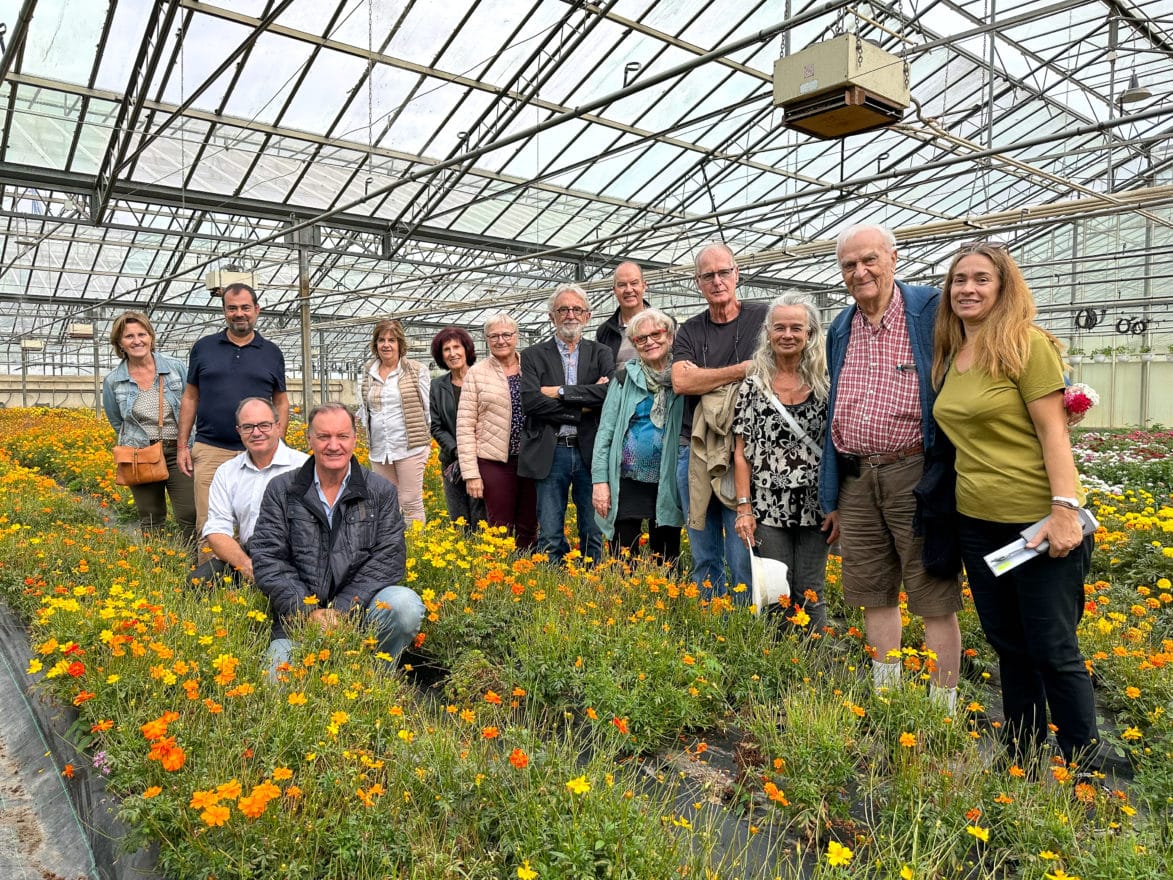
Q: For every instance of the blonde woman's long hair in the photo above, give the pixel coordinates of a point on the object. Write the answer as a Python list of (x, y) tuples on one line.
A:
[(812, 366), (1001, 344)]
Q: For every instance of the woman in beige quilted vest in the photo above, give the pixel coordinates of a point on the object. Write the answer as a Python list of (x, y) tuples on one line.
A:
[(489, 423), (393, 408)]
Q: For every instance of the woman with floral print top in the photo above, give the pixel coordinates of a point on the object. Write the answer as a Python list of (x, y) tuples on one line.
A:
[(779, 424)]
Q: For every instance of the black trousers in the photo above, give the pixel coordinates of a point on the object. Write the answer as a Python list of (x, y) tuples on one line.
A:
[(663, 541), (1029, 616)]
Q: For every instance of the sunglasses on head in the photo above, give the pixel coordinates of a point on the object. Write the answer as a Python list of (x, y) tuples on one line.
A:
[(969, 247)]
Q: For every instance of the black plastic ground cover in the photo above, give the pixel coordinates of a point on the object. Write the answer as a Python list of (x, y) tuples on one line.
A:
[(52, 826)]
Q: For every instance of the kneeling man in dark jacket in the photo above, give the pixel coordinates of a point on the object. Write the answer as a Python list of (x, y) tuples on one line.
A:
[(328, 545)]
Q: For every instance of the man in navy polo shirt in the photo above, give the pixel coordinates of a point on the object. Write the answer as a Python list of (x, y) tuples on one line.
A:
[(224, 369)]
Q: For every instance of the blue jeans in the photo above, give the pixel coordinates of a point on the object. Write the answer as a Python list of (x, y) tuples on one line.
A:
[(717, 545), (1029, 616), (567, 473), (396, 613)]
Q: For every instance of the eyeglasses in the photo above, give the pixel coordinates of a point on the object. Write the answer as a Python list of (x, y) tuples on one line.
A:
[(710, 277), (500, 337), (249, 427), (577, 311), (644, 338)]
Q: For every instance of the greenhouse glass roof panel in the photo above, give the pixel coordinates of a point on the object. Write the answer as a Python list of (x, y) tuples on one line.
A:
[(555, 146)]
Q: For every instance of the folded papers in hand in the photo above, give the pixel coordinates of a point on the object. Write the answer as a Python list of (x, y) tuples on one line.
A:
[(1016, 552)]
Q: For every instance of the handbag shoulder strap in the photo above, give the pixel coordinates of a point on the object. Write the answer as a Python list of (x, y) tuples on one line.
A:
[(790, 421), (160, 407)]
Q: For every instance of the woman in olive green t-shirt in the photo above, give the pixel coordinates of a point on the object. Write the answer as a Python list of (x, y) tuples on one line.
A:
[(1001, 403)]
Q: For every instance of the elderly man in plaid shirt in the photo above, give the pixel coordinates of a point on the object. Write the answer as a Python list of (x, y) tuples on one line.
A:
[(880, 352)]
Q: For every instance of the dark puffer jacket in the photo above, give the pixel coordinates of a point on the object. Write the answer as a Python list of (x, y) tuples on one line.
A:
[(296, 554)]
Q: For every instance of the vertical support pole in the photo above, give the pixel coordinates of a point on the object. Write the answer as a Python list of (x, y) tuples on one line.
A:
[(303, 286), (1147, 339), (786, 33), (97, 380), (24, 377), (990, 98), (323, 367)]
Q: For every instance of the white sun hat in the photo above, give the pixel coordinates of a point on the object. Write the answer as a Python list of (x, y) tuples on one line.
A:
[(769, 582)]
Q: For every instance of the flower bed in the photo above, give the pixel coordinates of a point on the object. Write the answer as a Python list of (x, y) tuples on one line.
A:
[(567, 703)]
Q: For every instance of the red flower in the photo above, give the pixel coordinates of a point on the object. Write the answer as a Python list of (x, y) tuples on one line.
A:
[(77, 669), (1078, 403), (620, 725)]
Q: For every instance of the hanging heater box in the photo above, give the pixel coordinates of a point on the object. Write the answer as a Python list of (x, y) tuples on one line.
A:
[(841, 87)]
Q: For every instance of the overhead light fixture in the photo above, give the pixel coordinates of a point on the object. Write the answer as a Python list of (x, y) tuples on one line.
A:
[(1135, 91)]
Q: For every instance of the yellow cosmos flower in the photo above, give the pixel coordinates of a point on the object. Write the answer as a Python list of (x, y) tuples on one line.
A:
[(579, 785), (982, 834), (838, 855)]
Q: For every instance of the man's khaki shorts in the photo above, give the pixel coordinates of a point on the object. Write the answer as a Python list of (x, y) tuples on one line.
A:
[(881, 553)]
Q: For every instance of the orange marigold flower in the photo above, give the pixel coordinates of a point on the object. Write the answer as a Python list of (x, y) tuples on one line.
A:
[(157, 729), (202, 799), (153, 791), (908, 740), (620, 724), (267, 790), (174, 759), (519, 759), (101, 726), (282, 773), (67, 771), (490, 732), (493, 697), (776, 794), (230, 789), (215, 815), (252, 806)]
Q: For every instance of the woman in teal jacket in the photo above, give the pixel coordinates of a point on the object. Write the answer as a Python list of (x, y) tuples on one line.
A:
[(634, 466)]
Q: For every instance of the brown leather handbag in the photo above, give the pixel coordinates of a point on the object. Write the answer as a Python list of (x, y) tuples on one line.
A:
[(135, 465)]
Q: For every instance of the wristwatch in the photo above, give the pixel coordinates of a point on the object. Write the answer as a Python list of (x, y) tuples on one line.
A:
[(561, 390), (743, 500)]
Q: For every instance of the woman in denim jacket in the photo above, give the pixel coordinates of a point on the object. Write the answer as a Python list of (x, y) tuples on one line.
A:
[(130, 396)]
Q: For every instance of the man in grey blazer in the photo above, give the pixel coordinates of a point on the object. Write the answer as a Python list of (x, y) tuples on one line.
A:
[(563, 384)]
